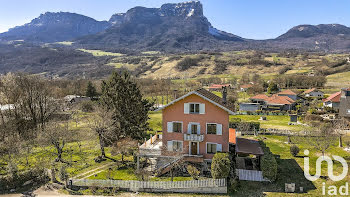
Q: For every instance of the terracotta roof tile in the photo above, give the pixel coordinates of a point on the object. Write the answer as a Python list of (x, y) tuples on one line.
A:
[(215, 98), (287, 92), (260, 96), (335, 98)]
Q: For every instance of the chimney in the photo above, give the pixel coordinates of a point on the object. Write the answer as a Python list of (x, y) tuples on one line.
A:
[(224, 94)]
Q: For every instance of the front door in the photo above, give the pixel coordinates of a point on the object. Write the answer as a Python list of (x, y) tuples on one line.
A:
[(194, 148)]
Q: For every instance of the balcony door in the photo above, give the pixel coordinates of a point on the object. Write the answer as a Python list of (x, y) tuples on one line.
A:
[(194, 148)]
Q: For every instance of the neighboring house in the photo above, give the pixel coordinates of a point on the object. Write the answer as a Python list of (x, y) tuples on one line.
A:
[(281, 101), (313, 93), (333, 101), (288, 93), (260, 98), (245, 87), (252, 107), (218, 87), (195, 126), (344, 109), (76, 99)]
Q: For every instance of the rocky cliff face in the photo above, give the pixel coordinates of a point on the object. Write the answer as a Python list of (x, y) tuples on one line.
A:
[(172, 27), (53, 27)]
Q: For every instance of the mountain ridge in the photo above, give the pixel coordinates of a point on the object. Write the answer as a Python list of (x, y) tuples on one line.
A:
[(174, 27)]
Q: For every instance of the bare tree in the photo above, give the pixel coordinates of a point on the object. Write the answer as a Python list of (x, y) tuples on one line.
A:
[(101, 123), (125, 146), (339, 129), (56, 136), (321, 138)]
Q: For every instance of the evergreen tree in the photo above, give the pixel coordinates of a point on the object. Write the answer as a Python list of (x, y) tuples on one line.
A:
[(273, 88), (91, 90), (122, 96)]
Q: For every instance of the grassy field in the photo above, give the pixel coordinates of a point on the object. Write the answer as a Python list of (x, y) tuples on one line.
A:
[(100, 53), (272, 122), (339, 80), (290, 170)]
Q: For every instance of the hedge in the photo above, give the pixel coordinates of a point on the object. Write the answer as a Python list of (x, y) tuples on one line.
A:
[(220, 166), (269, 166)]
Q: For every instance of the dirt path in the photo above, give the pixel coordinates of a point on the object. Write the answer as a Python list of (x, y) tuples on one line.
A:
[(93, 171)]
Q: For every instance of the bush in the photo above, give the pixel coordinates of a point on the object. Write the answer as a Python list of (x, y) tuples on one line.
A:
[(188, 62), (294, 150), (193, 171), (221, 165), (87, 106), (269, 166)]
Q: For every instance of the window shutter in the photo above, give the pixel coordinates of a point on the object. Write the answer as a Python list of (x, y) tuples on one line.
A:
[(219, 147), (219, 129), (202, 108), (181, 146), (186, 108), (170, 145), (199, 129), (189, 128), (170, 127)]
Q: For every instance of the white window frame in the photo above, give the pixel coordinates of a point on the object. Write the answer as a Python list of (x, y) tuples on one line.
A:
[(206, 147), (182, 126), (198, 126), (194, 103), (206, 128), (182, 145), (190, 152)]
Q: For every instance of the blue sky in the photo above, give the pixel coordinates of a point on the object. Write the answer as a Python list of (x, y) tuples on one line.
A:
[(256, 19)]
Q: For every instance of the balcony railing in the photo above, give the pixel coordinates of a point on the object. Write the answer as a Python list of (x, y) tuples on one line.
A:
[(193, 137)]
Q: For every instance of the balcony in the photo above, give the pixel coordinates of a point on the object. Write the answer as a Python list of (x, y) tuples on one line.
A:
[(193, 137)]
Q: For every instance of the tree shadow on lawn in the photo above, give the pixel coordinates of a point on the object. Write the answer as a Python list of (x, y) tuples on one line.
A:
[(289, 171)]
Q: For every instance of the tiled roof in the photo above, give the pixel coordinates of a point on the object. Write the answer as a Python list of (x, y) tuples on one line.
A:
[(274, 99), (287, 92), (310, 90), (248, 146), (260, 97), (335, 98), (214, 98), (206, 95), (282, 100)]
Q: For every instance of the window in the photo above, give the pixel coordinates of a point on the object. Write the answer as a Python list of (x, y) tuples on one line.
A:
[(211, 128), (194, 128), (194, 108), (211, 148), (177, 127), (177, 146)]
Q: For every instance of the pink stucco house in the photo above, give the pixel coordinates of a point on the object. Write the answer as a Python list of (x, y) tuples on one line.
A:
[(196, 126)]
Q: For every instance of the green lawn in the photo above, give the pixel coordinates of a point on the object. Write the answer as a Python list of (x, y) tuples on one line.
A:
[(275, 122), (290, 170)]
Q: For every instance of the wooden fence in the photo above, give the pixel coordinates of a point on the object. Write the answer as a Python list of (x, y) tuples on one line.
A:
[(194, 186), (250, 175)]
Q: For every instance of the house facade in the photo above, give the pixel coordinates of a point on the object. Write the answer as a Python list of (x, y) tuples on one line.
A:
[(344, 109), (313, 93), (196, 125), (333, 101)]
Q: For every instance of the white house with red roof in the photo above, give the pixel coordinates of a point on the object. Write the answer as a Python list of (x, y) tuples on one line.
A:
[(333, 101)]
